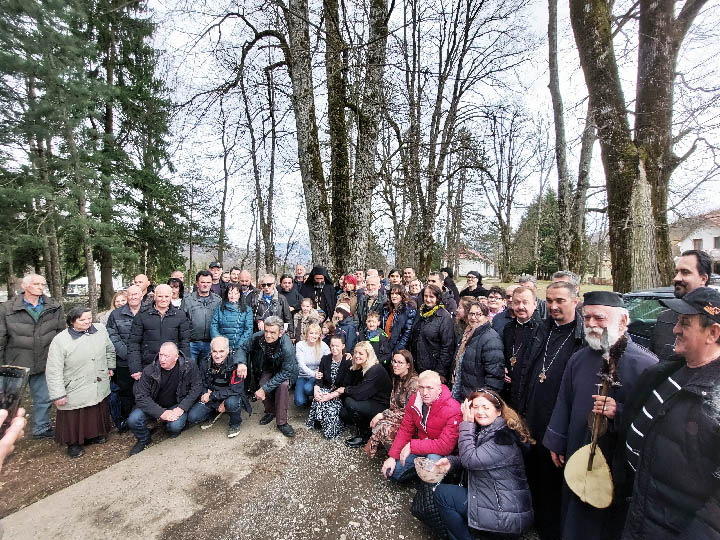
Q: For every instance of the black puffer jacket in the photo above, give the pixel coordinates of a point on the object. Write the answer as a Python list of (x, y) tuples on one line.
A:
[(148, 387), (432, 342), (118, 326), (677, 485), (149, 331), (24, 341), (402, 325), (483, 363)]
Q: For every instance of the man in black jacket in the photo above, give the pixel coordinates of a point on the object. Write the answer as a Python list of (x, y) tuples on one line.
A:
[(118, 326), (517, 338), (166, 391), (673, 431), (269, 302), (319, 288), (372, 300), (692, 270), (153, 326), (223, 390), (554, 342)]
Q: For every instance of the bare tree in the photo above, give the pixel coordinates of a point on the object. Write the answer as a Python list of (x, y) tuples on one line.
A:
[(638, 162)]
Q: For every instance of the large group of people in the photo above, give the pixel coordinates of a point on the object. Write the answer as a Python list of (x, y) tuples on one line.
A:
[(490, 388)]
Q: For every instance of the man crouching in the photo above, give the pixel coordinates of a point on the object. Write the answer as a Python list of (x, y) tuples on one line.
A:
[(224, 391), (166, 390)]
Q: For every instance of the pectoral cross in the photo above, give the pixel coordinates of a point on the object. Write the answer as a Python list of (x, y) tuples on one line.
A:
[(513, 359), (542, 376)]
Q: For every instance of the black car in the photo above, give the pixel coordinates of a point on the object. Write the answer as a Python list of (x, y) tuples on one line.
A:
[(644, 307)]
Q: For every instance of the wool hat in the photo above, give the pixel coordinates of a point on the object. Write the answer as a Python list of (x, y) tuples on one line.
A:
[(603, 298), (343, 308), (474, 273)]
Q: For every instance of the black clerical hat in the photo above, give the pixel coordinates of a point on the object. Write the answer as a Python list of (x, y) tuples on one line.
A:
[(603, 298)]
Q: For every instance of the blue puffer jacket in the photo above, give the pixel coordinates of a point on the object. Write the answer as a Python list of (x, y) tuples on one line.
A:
[(401, 326), (228, 321), (498, 494)]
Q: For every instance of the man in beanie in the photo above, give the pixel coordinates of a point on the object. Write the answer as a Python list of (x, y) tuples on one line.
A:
[(672, 428), (345, 326), (606, 321)]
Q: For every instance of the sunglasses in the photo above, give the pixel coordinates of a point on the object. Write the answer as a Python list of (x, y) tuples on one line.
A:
[(268, 284)]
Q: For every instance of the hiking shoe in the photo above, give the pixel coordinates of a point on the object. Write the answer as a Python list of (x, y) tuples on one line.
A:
[(287, 430), (210, 422), (266, 419), (75, 450), (233, 431), (139, 447), (47, 434)]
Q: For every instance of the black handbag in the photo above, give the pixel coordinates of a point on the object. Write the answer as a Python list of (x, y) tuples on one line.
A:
[(424, 508)]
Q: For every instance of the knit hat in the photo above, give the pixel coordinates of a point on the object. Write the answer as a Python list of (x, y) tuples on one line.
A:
[(343, 308)]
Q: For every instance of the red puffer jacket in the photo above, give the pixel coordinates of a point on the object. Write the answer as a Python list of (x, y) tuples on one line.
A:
[(438, 436)]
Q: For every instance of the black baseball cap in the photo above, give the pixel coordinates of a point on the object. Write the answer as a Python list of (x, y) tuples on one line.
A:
[(214, 264), (701, 301)]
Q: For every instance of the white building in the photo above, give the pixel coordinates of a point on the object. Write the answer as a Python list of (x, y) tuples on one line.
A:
[(79, 287), (469, 259), (698, 232)]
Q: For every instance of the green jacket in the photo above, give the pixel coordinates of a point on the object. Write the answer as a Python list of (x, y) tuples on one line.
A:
[(24, 341), (78, 368)]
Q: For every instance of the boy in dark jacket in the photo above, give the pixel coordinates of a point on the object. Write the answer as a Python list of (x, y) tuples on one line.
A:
[(166, 391), (378, 339), (223, 390)]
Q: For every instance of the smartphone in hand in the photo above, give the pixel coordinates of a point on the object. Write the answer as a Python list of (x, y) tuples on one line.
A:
[(12, 384)]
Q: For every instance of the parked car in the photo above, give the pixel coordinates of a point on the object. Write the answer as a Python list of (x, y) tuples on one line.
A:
[(644, 307)]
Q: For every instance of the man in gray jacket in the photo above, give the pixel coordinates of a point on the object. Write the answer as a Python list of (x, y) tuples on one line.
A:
[(28, 324), (199, 307)]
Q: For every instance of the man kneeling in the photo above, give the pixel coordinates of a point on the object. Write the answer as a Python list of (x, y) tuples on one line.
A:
[(430, 428), (166, 390), (224, 390)]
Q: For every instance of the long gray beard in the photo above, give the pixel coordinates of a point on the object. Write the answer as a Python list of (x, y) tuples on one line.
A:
[(594, 338)]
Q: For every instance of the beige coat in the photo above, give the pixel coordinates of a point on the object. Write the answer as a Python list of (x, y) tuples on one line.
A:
[(78, 368)]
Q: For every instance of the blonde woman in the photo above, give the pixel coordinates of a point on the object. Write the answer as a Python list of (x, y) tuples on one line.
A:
[(119, 299), (366, 394), (308, 353)]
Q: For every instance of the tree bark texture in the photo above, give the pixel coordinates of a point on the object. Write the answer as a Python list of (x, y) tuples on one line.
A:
[(303, 100), (638, 169), (366, 177)]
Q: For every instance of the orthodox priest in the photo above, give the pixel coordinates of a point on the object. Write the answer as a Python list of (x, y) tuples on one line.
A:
[(580, 395)]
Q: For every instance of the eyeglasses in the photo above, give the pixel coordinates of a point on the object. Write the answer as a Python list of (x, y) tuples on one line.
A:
[(268, 284)]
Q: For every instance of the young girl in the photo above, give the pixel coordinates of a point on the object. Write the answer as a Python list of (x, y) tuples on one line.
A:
[(496, 502), (308, 353), (304, 318)]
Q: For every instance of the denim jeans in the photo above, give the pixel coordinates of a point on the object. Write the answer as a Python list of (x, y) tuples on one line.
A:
[(199, 350), (452, 504), (138, 419), (202, 411), (403, 473), (41, 403), (304, 390)]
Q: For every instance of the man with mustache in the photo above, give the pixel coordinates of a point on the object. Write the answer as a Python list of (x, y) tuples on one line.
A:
[(569, 430), (554, 341), (692, 270)]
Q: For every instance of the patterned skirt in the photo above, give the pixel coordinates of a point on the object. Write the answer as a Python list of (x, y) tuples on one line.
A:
[(327, 413)]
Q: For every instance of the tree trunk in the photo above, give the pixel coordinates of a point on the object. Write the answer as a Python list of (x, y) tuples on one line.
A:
[(366, 177), (577, 221), (309, 158), (564, 187), (636, 171), (335, 67)]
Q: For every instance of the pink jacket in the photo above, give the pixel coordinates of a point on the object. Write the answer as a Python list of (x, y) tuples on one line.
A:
[(440, 433)]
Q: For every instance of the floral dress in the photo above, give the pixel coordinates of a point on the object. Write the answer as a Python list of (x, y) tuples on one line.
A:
[(385, 430), (327, 412)]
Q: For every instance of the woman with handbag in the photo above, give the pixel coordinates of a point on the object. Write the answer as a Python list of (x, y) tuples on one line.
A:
[(496, 502)]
